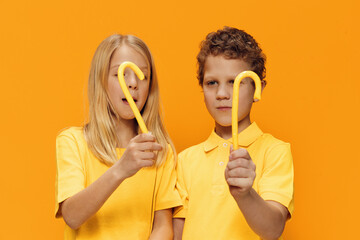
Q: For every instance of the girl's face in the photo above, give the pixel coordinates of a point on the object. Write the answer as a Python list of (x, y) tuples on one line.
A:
[(139, 89)]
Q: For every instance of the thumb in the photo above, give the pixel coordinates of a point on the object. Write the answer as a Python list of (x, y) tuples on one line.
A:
[(226, 173), (231, 150)]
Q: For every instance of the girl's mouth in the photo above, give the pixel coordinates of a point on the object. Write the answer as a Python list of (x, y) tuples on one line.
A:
[(126, 102)]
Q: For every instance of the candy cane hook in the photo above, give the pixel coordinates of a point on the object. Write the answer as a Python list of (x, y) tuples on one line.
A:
[(235, 102), (127, 94)]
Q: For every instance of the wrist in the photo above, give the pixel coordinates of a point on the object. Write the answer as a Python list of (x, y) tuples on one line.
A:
[(117, 173), (245, 196)]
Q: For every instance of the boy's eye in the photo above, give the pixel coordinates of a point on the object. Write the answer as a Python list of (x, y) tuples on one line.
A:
[(232, 82), (209, 83)]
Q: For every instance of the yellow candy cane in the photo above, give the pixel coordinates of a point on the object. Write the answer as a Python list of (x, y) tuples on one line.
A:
[(235, 103), (125, 89)]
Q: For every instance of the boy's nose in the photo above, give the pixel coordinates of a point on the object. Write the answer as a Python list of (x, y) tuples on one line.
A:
[(222, 93)]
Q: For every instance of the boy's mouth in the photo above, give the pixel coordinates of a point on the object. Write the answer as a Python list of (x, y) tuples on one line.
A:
[(223, 108)]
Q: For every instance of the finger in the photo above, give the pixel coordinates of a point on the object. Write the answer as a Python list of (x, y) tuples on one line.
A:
[(146, 163), (147, 156), (144, 137), (241, 173), (239, 163), (239, 153), (240, 182), (231, 148), (149, 146)]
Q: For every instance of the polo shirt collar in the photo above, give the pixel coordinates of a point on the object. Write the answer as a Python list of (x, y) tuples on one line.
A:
[(245, 138)]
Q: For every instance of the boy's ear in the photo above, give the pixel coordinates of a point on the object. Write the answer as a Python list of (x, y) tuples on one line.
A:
[(263, 85)]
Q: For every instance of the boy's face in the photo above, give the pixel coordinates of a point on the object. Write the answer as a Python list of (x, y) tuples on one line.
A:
[(219, 76)]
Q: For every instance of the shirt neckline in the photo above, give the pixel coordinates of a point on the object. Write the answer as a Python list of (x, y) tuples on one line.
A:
[(245, 138)]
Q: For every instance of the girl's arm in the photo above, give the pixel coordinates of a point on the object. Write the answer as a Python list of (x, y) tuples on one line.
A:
[(162, 228), (81, 206), (178, 224)]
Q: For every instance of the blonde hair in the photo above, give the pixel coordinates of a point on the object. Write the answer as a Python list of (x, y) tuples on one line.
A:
[(100, 131)]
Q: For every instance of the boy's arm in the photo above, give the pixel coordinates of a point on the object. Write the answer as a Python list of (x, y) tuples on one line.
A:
[(266, 218), (178, 224)]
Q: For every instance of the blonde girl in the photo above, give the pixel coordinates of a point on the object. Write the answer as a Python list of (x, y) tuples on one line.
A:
[(111, 181)]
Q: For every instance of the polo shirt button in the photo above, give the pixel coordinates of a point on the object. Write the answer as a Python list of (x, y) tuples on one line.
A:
[(225, 144), (221, 163)]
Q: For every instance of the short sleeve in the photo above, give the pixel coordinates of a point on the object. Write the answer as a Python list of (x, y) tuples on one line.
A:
[(70, 175), (277, 180), (167, 195), (180, 212)]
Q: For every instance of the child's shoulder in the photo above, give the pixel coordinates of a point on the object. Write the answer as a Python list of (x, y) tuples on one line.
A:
[(269, 142), (75, 133), (267, 137), (192, 151)]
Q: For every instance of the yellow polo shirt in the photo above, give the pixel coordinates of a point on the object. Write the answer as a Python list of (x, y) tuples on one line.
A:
[(128, 212), (209, 209)]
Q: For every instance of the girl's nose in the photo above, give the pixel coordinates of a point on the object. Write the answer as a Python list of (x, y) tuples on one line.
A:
[(132, 81)]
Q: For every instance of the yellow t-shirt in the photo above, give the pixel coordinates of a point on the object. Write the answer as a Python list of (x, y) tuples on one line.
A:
[(128, 212), (209, 209)]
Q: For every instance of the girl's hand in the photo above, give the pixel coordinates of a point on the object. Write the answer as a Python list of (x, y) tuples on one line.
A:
[(138, 154), (240, 172)]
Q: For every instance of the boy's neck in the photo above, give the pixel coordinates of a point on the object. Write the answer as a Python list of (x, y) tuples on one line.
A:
[(225, 132), (125, 131)]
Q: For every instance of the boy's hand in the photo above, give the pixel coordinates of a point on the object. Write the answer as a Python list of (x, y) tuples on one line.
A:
[(138, 154), (240, 172)]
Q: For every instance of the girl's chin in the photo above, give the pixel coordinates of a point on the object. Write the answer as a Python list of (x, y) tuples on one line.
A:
[(127, 117), (126, 114)]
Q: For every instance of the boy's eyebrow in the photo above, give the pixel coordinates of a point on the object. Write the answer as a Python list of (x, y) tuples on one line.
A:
[(209, 76)]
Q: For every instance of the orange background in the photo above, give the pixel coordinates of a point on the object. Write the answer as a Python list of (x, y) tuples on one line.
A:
[(312, 99)]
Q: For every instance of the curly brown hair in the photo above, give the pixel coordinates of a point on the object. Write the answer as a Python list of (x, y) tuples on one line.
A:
[(232, 43)]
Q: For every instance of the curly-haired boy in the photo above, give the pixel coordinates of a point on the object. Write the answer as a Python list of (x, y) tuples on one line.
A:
[(233, 194)]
